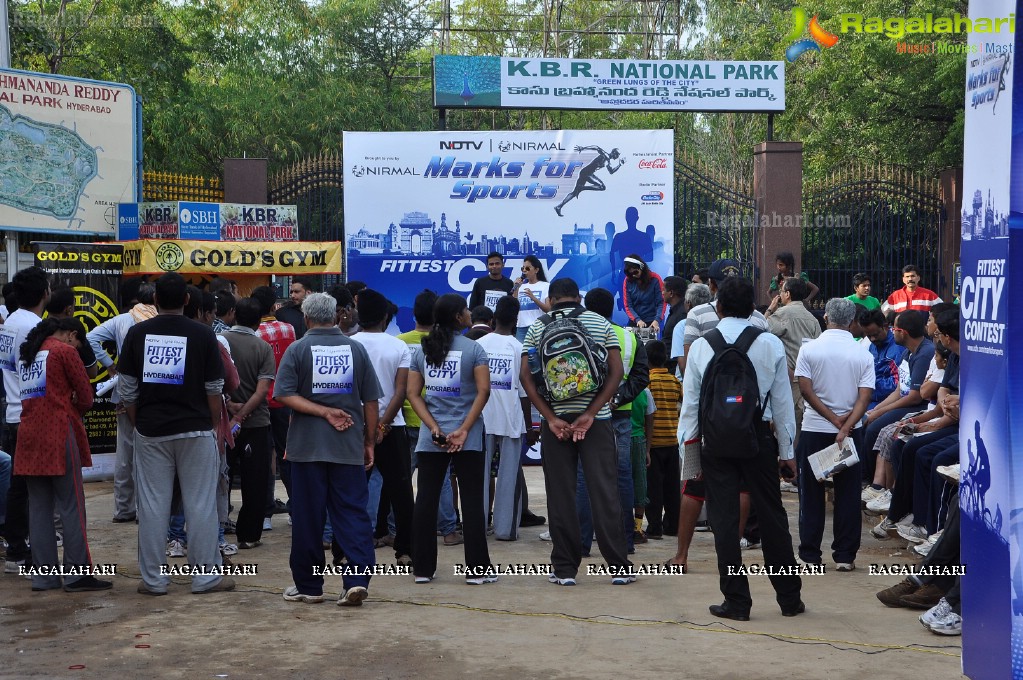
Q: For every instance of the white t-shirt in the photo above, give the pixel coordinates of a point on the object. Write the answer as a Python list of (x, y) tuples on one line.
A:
[(838, 367), (503, 413), (528, 310), (388, 354), (18, 324)]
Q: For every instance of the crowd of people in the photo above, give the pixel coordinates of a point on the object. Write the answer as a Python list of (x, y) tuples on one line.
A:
[(715, 417)]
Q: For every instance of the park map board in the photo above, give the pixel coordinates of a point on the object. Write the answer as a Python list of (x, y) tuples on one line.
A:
[(68, 153)]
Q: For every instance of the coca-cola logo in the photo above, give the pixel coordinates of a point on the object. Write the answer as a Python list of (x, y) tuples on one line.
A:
[(655, 164)]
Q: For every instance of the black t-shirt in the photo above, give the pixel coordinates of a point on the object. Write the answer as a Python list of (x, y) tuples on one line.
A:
[(951, 379), (503, 285), (676, 315), (172, 358), (292, 313)]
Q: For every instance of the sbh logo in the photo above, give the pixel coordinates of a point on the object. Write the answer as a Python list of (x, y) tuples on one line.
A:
[(818, 36)]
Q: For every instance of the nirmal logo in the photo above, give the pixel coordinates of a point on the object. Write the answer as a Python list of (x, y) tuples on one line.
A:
[(358, 170), (818, 36)]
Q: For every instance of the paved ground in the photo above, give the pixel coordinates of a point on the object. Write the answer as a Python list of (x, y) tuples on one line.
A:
[(521, 627)]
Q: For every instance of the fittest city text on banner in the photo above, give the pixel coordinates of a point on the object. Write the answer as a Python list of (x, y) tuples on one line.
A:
[(423, 209)]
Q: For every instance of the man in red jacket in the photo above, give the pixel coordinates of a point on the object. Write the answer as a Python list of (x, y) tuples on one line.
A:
[(912, 296)]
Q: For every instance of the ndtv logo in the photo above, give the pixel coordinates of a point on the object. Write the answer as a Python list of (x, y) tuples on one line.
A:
[(461, 145), (656, 164)]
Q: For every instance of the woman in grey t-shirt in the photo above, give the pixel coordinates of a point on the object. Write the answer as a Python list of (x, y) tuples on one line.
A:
[(455, 373)]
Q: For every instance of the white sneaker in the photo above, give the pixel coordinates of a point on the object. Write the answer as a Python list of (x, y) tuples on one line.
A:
[(176, 548), (869, 493), (623, 580), (788, 487), (935, 613), (480, 580), (60, 539), (232, 549), (746, 545), (845, 566), (933, 538), (545, 536), (561, 581), (912, 532), (267, 524), (880, 505), (353, 597), (922, 549), (291, 594), (950, 624), (880, 532), (289, 520)]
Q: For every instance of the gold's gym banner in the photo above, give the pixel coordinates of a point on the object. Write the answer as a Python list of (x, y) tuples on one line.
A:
[(93, 272), (189, 257)]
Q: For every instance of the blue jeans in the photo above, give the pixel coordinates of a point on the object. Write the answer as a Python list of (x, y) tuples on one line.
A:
[(176, 530), (622, 426), (5, 483), (376, 483)]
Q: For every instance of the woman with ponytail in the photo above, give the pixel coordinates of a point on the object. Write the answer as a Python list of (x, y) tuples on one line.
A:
[(53, 448), (455, 372)]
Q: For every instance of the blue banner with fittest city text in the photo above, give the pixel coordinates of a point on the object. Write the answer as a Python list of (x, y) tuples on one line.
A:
[(423, 209)]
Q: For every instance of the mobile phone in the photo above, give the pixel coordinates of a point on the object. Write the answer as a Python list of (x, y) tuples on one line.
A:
[(440, 440)]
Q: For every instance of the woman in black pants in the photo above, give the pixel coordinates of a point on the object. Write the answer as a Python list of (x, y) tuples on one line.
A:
[(456, 375)]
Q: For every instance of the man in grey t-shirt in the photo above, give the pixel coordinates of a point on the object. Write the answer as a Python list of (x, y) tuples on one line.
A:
[(328, 382)]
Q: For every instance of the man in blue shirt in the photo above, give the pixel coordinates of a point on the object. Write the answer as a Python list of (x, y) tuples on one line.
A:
[(886, 352)]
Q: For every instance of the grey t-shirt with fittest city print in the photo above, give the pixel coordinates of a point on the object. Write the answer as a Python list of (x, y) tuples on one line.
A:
[(330, 369)]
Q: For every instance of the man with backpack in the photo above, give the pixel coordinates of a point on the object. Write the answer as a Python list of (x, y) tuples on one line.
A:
[(736, 385), (572, 366)]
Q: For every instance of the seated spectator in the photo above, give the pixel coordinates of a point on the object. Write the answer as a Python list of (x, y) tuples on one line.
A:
[(887, 354), (939, 595)]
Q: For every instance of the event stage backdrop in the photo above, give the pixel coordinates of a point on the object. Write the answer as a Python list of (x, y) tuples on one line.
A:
[(423, 209)]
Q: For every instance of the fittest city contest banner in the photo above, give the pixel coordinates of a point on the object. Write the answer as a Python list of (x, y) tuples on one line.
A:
[(198, 257), (423, 209), (597, 84), (991, 486), (93, 271)]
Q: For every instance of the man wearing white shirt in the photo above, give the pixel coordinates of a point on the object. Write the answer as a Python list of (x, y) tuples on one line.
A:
[(836, 379), (32, 290), (760, 473), (391, 358), (504, 418), (114, 330)]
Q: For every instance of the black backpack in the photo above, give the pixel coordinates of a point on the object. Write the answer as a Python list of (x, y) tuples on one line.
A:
[(570, 363), (731, 414)]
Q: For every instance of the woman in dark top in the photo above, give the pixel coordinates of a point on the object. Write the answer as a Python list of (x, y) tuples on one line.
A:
[(53, 448), (455, 373), (642, 294)]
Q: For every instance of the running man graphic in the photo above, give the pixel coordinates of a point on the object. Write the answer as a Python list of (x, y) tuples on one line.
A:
[(587, 181)]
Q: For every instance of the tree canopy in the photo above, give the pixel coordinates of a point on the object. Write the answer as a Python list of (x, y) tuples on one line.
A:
[(283, 78)]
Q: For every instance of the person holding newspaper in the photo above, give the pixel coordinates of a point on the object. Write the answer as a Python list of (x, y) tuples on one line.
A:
[(836, 379)]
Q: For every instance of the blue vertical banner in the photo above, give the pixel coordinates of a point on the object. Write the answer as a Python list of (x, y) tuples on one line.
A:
[(127, 221), (991, 482), (424, 209), (198, 221)]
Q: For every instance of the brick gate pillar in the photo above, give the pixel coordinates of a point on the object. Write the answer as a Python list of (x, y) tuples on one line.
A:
[(778, 201)]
